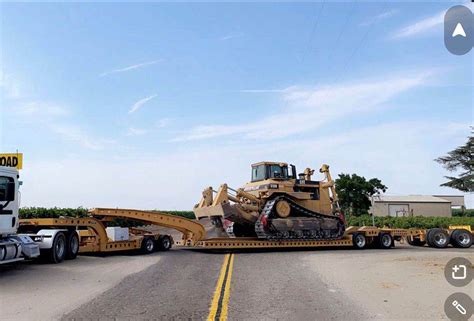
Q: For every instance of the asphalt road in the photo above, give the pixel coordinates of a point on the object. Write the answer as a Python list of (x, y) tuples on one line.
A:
[(405, 283), (265, 286)]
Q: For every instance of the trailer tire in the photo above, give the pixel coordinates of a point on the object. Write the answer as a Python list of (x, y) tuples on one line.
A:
[(57, 253), (461, 238), (164, 243), (148, 245), (72, 246), (385, 240), (438, 238), (359, 241)]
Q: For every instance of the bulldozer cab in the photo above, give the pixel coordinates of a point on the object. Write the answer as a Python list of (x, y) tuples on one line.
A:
[(270, 170)]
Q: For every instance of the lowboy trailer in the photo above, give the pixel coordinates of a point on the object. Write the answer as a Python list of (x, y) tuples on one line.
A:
[(355, 237)]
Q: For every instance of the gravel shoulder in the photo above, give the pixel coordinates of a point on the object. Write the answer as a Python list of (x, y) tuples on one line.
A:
[(404, 283)]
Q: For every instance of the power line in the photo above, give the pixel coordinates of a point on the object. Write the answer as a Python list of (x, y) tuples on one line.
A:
[(315, 26)]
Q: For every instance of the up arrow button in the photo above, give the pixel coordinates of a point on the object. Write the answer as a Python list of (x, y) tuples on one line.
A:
[(458, 30)]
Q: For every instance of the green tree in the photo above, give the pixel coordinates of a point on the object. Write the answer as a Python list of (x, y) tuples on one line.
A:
[(354, 192), (460, 160)]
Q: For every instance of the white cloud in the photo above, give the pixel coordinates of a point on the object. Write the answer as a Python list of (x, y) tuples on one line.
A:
[(380, 17), (132, 67), (259, 91), (56, 118), (132, 131), (9, 86), (76, 134), (41, 109), (311, 107), (425, 25), (140, 103), (162, 123), (421, 26), (231, 36)]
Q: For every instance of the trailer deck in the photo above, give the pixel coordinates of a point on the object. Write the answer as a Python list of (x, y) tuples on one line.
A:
[(370, 234)]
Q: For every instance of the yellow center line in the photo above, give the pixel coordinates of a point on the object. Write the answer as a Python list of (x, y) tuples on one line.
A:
[(220, 301)]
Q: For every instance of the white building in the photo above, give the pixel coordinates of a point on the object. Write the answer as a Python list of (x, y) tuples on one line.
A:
[(414, 205)]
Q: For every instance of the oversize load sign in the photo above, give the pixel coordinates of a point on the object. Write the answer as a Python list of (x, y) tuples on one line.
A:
[(11, 160)]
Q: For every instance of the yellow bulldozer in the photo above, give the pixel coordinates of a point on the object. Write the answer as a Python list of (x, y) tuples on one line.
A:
[(276, 204)]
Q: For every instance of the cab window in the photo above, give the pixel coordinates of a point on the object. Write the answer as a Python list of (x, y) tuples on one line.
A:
[(258, 173), (7, 189), (277, 171)]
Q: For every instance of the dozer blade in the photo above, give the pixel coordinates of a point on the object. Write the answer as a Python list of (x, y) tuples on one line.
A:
[(223, 210)]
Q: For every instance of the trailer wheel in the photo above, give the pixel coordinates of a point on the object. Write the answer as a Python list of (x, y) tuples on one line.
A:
[(461, 238), (164, 243), (148, 245), (57, 252), (437, 237), (385, 240), (359, 241), (72, 246)]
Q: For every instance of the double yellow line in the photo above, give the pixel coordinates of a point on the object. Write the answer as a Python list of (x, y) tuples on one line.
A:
[(220, 301)]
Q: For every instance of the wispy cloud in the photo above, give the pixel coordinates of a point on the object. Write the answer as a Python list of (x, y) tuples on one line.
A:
[(132, 131), (258, 91), (132, 67), (140, 103), (76, 134), (380, 17), (9, 86), (162, 123), (231, 36), (159, 124), (420, 26), (41, 109), (56, 119), (317, 105)]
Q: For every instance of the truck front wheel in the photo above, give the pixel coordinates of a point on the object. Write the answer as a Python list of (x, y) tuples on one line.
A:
[(57, 253)]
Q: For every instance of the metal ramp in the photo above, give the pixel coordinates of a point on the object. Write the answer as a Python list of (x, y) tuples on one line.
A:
[(192, 230)]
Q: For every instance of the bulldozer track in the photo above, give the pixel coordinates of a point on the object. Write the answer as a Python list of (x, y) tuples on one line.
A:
[(272, 233)]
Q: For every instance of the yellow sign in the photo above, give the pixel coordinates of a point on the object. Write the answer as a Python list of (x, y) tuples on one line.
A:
[(12, 160)]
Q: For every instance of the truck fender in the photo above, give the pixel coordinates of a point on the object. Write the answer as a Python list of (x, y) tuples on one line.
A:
[(48, 237)]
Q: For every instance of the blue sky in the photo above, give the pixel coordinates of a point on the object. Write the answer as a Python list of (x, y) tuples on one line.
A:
[(143, 105)]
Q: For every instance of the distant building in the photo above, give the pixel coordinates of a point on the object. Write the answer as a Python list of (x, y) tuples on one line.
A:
[(457, 201), (414, 205)]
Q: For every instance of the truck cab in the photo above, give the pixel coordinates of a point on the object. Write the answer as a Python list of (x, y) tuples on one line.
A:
[(13, 247), (8, 201)]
